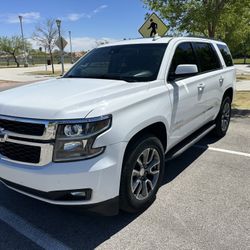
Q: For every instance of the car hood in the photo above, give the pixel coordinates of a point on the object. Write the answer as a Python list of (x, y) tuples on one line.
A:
[(64, 98)]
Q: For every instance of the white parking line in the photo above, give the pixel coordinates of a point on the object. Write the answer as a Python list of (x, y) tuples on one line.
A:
[(223, 150), (29, 231)]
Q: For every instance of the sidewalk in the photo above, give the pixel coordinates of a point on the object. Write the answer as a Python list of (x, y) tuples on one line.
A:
[(241, 70), (24, 74)]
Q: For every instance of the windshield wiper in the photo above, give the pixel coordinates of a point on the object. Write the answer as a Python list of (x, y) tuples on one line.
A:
[(109, 77), (73, 76), (115, 77), (129, 78)]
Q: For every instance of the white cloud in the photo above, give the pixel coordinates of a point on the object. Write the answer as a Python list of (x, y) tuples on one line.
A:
[(76, 16), (104, 6), (81, 43), (28, 17), (88, 43)]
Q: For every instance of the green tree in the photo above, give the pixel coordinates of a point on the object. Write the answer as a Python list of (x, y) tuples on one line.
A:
[(198, 17), (234, 29), (46, 34), (13, 46)]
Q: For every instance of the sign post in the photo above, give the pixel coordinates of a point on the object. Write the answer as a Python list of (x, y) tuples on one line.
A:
[(153, 26), (61, 43)]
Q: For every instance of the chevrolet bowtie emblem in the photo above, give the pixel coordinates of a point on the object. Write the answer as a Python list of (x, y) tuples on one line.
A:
[(3, 135)]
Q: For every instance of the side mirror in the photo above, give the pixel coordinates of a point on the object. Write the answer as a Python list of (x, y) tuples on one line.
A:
[(186, 69)]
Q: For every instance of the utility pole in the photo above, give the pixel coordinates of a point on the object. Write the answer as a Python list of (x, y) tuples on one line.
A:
[(70, 43), (58, 23), (24, 47)]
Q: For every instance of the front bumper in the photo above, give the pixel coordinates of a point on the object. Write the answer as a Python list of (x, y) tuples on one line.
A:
[(101, 175)]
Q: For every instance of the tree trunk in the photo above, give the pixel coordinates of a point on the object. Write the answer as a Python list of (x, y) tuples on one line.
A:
[(15, 59), (245, 58), (52, 61), (211, 30), (245, 53)]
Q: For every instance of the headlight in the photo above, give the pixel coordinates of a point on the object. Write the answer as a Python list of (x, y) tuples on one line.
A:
[(75, 139)]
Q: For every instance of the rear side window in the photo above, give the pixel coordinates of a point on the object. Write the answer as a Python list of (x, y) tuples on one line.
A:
[(184, 54), (207, 56), (225, 52)]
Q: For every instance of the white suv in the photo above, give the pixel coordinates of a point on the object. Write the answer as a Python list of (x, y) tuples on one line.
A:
[(98, 136)]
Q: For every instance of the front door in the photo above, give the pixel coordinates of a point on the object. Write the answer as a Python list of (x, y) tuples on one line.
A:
[(187, 95)]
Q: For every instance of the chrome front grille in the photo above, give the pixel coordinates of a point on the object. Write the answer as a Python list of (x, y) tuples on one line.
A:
[(27, 141), (19, 152), (24, 128)]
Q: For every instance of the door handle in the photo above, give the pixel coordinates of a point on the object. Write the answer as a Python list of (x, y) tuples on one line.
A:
[(201, 86), (221, 80)]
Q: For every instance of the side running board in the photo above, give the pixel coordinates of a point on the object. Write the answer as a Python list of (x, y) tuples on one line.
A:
[(188, 142)]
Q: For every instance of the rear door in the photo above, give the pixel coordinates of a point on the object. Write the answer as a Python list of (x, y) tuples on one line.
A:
[(211, 77), (229, 73)]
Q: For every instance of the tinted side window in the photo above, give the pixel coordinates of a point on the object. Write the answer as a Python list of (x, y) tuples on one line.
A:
[(184, 54), (225, 52), (207, 57)]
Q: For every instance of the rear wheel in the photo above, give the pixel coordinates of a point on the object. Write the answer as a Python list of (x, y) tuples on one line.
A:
[(142, 174), (223, 119)]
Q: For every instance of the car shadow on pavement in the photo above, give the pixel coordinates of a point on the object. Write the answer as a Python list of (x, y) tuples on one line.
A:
[(176, 166), (82, 230)]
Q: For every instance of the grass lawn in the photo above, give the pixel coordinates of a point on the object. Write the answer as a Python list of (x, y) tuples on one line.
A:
[(243, 77), (242, 100), (241, 60), (46, 73), (13, 66)]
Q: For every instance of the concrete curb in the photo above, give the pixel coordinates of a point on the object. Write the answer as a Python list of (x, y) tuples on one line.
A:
[(241, 112)]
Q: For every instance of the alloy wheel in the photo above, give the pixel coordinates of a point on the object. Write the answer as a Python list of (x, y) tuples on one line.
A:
[(225, 118), (145, 173)]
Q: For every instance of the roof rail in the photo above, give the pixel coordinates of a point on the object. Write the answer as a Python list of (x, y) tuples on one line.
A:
[(205, 37)]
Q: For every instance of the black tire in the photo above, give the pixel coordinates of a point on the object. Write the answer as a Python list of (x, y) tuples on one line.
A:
[(131, 175), (222, 120)]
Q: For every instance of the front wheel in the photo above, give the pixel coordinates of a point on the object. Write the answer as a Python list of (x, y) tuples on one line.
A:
[(142, 174), (223, 119)]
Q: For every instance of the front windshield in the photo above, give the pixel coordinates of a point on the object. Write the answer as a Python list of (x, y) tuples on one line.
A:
[(131, 63)]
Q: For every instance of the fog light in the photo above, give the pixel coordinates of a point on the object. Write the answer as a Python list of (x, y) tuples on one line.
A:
[(79, 194), (71, 146)]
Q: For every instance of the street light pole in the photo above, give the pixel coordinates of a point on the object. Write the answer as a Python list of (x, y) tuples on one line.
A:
[(24, 47), (58, 22), (70, 43)]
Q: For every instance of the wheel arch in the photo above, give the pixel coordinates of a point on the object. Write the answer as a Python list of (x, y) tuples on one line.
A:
[(158, 129), (228, 92)]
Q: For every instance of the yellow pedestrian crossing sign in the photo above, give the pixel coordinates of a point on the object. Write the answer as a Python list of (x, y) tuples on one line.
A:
[(154, 25)]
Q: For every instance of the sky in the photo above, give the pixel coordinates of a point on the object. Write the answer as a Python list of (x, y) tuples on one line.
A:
[(88, 20)]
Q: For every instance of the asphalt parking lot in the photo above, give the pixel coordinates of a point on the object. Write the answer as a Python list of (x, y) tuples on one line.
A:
[(204, 203)]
